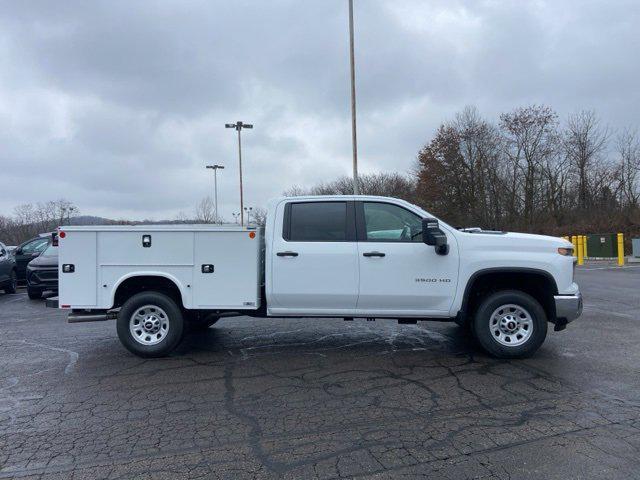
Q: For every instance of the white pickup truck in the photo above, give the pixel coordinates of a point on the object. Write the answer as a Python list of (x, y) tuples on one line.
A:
[(326, 256)]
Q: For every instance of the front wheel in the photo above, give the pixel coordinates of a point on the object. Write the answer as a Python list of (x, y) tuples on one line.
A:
[(34, 293), (150, 324), (510, 324), (12, 287)]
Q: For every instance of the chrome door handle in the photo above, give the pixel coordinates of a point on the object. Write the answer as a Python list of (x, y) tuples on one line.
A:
[(373, 254)]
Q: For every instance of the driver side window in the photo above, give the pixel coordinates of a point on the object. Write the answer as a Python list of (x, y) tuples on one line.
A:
[(385, 222)]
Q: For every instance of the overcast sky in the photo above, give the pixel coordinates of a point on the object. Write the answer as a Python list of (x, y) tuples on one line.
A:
[(119, 105)]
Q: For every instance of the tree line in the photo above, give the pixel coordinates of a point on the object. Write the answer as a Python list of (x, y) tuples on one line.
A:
[(29, 220), (527, 172)]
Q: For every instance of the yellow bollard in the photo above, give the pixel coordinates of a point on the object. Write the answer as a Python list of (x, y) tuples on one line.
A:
[(620, 250), (584, 240), (575, 245), (580, 250)]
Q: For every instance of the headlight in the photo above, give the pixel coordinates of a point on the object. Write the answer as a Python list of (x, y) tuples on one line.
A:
[(566, 251)]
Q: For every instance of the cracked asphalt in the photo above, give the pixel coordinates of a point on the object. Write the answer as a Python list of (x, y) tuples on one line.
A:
[(323, 398)]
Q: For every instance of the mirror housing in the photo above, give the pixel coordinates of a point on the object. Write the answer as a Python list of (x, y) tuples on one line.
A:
[(17, 251), (433, 236)]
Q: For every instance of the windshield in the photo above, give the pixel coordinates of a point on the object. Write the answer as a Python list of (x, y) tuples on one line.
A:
[(51, 251)]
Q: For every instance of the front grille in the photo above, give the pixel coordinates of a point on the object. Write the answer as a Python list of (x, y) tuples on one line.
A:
[(48, 276)]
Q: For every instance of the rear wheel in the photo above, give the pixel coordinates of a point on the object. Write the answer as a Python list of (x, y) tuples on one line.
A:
[(150, 324), (34, 293), (510, 324), (12, 286)]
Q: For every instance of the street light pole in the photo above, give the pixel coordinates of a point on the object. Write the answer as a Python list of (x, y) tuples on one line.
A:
[(238, 126), (215, 188), (248, 210), (354, 142)]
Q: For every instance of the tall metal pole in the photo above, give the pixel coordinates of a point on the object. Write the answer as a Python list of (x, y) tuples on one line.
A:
[(215, 169), (239, 126), (240, 164), (215, 192), (356, 188)]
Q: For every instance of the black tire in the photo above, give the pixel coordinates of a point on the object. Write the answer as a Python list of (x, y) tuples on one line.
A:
[(12, 287), (34, 293), (174, 321), (196, 323), (486, 329)]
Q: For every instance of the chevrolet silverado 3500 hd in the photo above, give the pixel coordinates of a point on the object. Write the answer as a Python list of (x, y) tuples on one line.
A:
[(325, 256)]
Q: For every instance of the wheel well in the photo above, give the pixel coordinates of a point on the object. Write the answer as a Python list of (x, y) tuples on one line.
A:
[(540, 285), (145, 283)]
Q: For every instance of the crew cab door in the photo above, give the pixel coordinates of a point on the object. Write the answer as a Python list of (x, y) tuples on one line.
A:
[(399, 274), (314, 262)]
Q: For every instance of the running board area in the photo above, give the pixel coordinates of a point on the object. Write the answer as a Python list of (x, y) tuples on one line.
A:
[(80, 317)]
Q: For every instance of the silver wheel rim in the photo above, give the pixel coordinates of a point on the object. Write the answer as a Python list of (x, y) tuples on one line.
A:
[(149, 325), (511, 325)]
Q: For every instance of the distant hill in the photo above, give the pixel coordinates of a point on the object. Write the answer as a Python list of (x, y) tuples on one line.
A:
[(90, 220), (93, 220)]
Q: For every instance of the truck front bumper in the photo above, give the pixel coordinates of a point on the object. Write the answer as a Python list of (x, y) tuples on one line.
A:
[(568, 307)]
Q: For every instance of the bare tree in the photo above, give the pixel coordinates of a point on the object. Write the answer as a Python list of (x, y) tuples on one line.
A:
[(383, 184), (531, 135), (628, 169), (205, 211), (259, 216), (585, 141)]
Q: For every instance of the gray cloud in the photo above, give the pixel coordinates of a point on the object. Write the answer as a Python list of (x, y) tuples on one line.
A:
[(119, 105)]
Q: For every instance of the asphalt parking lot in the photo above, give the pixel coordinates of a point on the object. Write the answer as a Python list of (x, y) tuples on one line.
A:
[(323, 398)]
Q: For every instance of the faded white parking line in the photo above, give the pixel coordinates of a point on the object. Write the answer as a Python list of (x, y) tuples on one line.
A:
[(73, 356), (18, 295), (611, 267), (608, 312)]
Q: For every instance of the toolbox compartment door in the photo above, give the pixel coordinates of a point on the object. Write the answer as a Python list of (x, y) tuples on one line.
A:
[(234, 281), (79, 287)]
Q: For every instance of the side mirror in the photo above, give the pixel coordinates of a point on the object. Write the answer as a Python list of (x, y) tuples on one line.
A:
[(433, 236), (17, 251)]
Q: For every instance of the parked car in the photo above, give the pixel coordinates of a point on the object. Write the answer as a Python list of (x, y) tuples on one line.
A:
[(27, 251), (42, 273), (325, 256), (8, 277)]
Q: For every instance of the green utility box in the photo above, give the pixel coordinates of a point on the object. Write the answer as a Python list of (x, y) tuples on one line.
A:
[(602, 245)]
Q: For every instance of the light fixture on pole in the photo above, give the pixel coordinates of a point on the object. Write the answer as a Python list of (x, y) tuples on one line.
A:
[(238, 126), (215, 169), (248, 210), (235, 217), (354, 142)]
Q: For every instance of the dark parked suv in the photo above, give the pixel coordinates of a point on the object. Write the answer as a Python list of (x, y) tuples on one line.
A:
[(42, 273), (27, 251), (8, 277)]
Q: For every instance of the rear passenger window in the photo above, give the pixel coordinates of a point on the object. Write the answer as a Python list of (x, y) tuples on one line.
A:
[(317, 222)]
